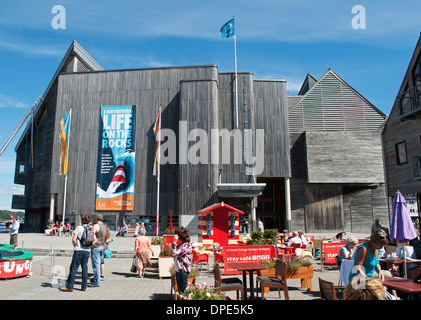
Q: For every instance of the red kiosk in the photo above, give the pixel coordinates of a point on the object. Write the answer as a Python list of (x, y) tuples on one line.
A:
[(220, 223)]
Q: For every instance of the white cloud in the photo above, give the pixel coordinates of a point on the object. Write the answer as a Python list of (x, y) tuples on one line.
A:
[(10, 102)]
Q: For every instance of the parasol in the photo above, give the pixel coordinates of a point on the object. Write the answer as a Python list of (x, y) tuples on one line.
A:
[(401, 229)]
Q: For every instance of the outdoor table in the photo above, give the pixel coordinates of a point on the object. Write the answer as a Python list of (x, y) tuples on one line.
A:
[(399, 262), (346, 267), (284, 248), (406, 286), (250, 267)]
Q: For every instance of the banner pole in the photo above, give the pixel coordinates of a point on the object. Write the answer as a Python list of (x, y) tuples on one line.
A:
[(159, 172), (68, 158)]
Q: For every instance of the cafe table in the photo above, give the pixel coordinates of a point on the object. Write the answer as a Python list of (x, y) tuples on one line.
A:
[(407, 286), (395, 261), (249, 267), (345, 270)]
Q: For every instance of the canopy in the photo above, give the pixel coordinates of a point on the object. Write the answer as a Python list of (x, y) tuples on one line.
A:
[(240, 190)]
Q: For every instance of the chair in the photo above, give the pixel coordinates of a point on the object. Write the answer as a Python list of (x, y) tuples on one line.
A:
[(279, 281), (200, 258), (295, 246), (228, 284), (327, 290)]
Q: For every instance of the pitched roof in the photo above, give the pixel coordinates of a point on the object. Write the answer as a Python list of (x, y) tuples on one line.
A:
[(331, 104), (67, 63)]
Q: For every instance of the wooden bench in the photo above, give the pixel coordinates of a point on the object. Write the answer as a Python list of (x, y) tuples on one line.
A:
[(131, 229)]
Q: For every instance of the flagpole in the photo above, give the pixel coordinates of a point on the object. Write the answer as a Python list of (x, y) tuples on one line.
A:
[(236, 80), (67, 169), (158, 156)]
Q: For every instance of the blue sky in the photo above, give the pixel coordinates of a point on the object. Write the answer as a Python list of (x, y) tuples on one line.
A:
[(275, 39)]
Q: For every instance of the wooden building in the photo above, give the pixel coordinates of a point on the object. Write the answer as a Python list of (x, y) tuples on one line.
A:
[(337, 181), (209, 143), (402, 135), (311, 161)]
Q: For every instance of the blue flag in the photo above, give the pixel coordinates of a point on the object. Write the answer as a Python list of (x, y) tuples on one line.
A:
[(228, 29)]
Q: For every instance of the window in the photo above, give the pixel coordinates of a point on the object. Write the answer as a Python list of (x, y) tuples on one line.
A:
[(400, 149), (416, 167)]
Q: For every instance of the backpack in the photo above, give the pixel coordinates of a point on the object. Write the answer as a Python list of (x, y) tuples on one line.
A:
[(88, 236)]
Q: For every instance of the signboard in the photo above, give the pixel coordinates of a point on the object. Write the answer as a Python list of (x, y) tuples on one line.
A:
[(15, 268), (116, 158), (246, 254), (331, 250)]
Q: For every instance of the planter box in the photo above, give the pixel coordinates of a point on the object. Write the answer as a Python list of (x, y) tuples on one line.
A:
[(175, 287), (164, 264), (305, 274), (156, 249)]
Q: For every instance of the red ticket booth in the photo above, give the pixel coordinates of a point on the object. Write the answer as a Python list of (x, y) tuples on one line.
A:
[(220, 223)]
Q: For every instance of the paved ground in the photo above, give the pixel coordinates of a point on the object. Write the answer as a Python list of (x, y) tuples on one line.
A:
[(119, 283)]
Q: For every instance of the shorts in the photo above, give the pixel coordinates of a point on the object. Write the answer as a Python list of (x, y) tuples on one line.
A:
[(14, 240)]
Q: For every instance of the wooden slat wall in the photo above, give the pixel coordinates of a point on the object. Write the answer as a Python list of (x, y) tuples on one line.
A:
[(335, 142), (86, 93), (399, 177), (344, 157), (331, 105)]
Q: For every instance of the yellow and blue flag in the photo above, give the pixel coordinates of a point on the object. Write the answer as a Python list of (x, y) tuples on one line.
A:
[(228, 29), (156, 129), (64, 136)]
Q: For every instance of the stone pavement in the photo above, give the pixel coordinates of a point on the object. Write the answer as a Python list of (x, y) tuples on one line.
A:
[(119, 283)]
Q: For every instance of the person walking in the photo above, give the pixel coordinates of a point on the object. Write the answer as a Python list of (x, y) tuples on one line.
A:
[(97, 250), (80, 257), (142, 247), (14, 230), (183, 256)]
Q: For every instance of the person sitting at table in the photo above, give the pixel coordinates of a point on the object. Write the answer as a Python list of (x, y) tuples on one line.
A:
[(366, 257), (294, 239), (302, 238), (347, 250), (285, 236), (409, 253)]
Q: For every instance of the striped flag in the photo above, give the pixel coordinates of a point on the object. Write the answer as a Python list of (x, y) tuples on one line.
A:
[(157, 129), (65, 136)]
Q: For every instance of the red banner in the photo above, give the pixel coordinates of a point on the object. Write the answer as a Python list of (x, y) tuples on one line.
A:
[(246, 254), (15, 268), (331, 250)]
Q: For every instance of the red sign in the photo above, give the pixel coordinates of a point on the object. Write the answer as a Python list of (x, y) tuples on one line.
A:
[(331, 250), (15, 268), (246, 254)]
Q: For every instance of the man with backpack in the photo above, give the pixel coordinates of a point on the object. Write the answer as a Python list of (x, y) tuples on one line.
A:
[(97, 250), (83, 239)]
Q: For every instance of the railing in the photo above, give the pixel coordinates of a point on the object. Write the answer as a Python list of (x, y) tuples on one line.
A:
[(410, 101)]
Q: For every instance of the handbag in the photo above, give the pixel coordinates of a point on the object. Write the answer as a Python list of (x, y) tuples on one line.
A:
[(107, 253), (134, 265)]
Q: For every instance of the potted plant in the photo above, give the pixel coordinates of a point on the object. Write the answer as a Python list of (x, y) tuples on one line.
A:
[(191, 279), (202, 292), (168, 236), (156, 246), (270, 236), (255, 238), (165, 261), (298, 268)]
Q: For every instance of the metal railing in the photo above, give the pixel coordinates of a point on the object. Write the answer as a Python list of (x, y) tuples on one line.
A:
[(410, 101)]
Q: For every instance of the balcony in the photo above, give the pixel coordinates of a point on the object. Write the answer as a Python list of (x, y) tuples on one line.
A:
[(409, 102)]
